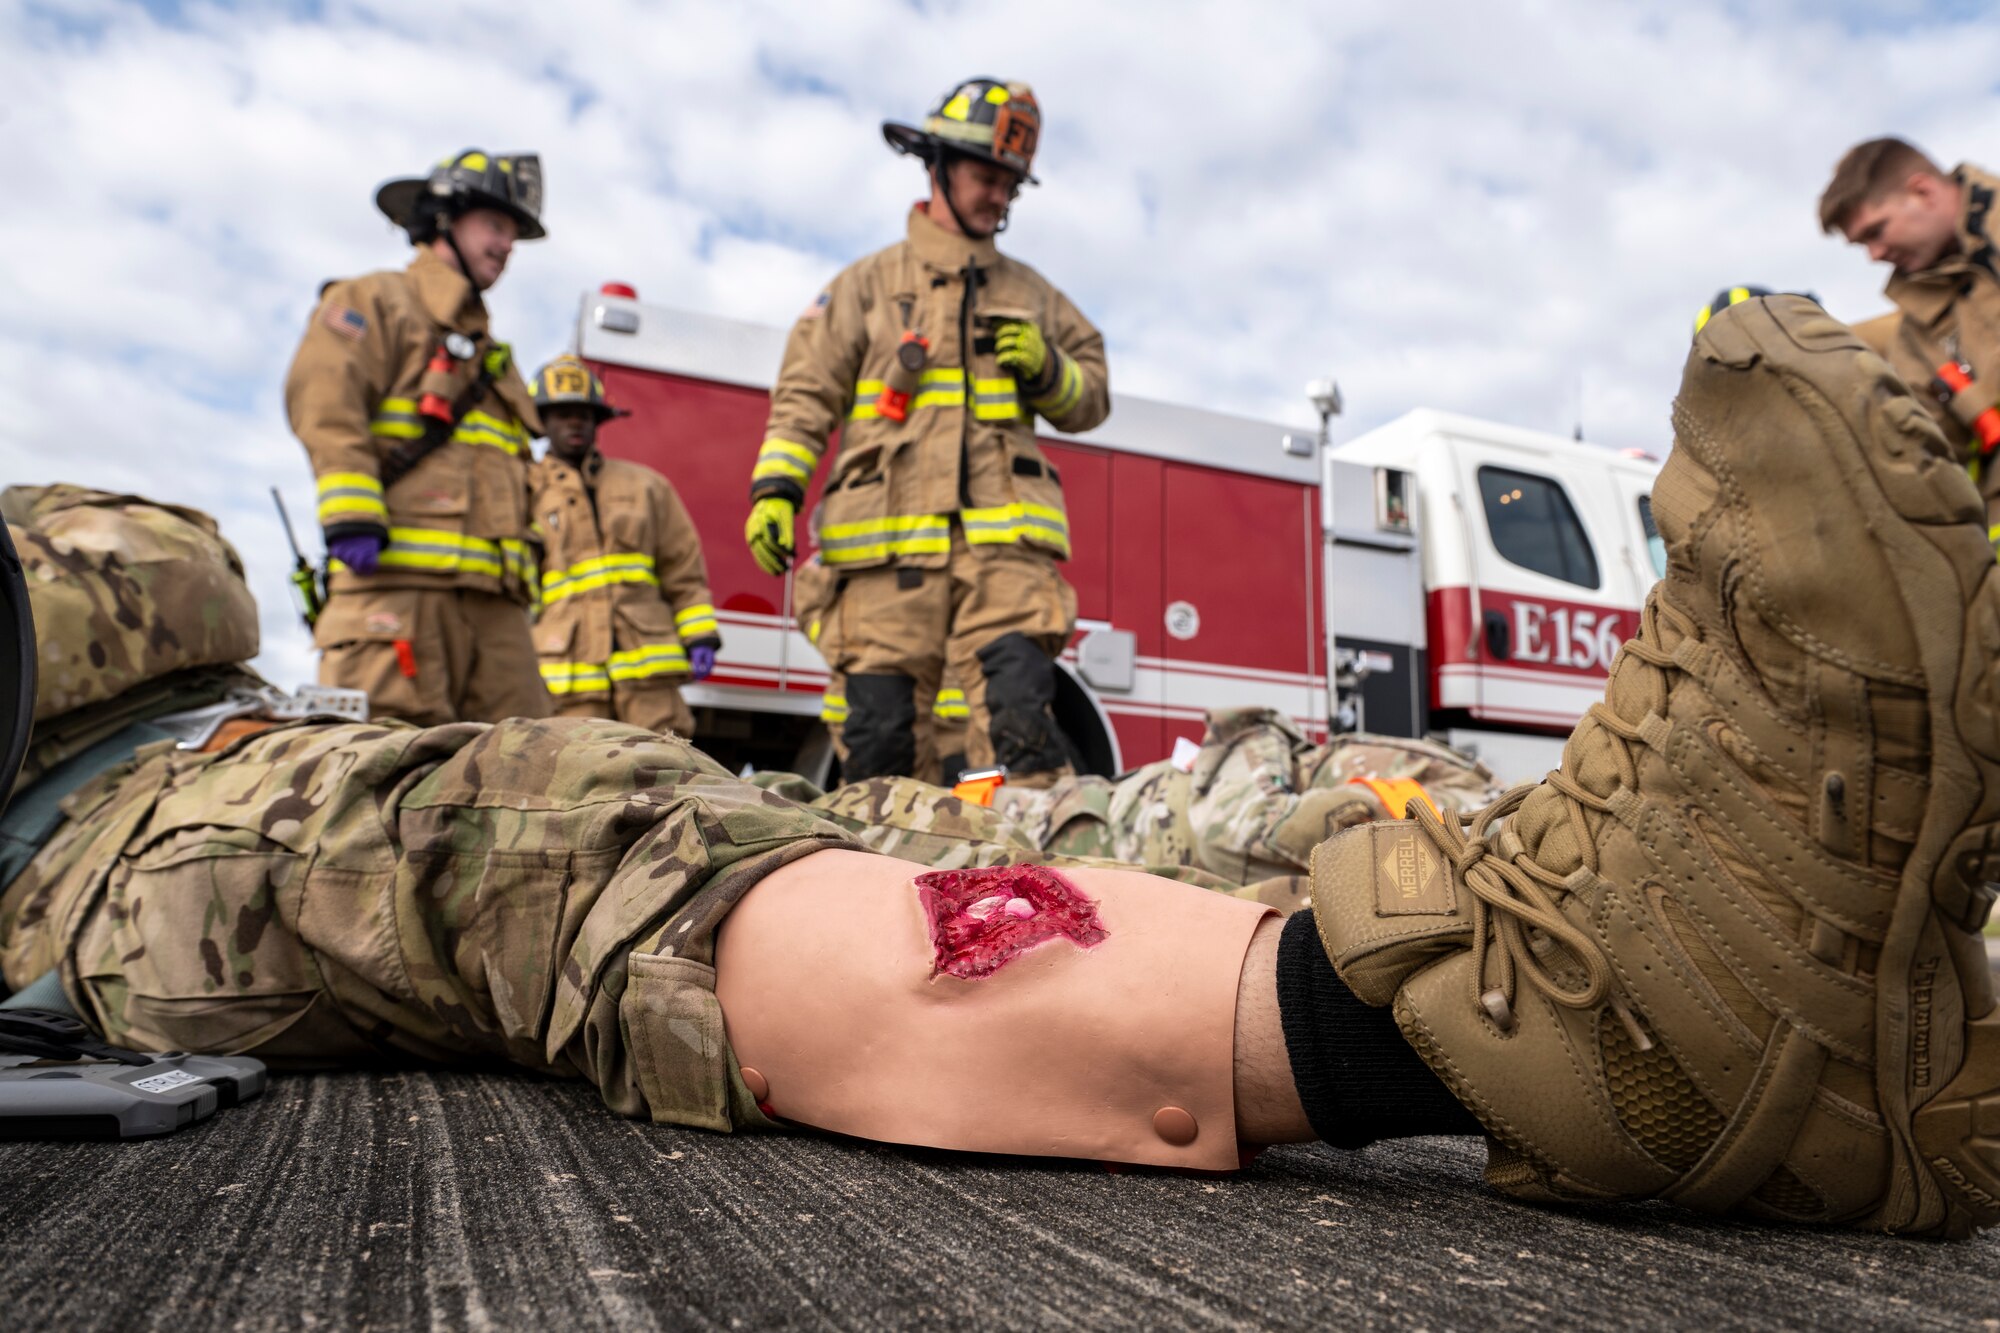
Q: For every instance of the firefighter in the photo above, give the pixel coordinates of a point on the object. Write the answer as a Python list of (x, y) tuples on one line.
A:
[(1935, 231), (418, 427), (942, 522), (625, 604)]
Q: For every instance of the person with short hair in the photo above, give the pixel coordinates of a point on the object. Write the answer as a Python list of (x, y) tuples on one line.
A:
[(417, 424), (1935, 230)]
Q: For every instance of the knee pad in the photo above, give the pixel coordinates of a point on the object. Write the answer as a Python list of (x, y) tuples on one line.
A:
[(881, 727), (1020, 688), (1014, 1010)]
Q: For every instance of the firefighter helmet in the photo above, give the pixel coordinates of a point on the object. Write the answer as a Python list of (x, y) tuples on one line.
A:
[(510, 182), (565, 382), (984, 118), (1724, 299)]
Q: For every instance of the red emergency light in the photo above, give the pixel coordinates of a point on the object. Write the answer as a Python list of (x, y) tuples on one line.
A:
[(624, 289)]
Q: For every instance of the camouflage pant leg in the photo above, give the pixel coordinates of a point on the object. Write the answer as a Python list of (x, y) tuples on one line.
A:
[(915, 821), (543, 892)]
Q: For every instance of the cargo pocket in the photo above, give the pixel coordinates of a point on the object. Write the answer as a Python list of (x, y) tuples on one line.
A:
[(385, 643), (851, 524), (1039, 511), (194, 946), (673, 1029)]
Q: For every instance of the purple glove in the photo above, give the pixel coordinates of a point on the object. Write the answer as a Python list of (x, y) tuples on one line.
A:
[(360, 554), (701, 660)]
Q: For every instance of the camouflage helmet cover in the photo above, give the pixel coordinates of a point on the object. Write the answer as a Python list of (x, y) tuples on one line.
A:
[(510, 182), (990, 119), (566, 381)]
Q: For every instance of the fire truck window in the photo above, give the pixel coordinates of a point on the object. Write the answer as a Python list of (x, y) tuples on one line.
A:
[(1656, 545), (1535, 526)]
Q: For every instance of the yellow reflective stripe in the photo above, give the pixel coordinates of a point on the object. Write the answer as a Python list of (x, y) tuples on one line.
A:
[(992, 400), (782, 458), (575, 678), (436, 552), (351, 495), (598, 572), (1993, 536), (489, 432), (656, 659), (833, 708), (1066, 394), (397, 418), (950, 706), (873, 539), (693, 622), (1016, 522)]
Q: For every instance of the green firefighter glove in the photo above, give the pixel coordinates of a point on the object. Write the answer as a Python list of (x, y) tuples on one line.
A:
[(1020, 348), (769, 533)]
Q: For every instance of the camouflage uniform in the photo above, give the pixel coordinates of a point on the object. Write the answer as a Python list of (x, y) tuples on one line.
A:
[(1259, 798)]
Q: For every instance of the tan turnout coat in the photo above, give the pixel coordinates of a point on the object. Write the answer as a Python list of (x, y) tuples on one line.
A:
[(624, 589), (966, 450), (460, 518)]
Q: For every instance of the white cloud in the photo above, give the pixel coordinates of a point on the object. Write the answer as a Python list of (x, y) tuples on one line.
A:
[(1499, 210)]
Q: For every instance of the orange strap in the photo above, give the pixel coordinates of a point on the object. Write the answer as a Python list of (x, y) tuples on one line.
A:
[(1396, 793), (235, 729), (979, 791)]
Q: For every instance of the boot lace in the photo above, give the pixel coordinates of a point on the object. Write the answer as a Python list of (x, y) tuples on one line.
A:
[(1517, 918)]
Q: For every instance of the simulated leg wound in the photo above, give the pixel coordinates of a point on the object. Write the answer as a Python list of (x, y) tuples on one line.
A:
[(1087, 1013)]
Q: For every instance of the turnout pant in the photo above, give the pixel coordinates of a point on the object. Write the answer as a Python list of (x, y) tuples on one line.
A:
[(995, 616), (432, 655), (655, 705)]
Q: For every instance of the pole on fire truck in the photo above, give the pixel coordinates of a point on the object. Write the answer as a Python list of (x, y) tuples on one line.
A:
[(1325, 396)]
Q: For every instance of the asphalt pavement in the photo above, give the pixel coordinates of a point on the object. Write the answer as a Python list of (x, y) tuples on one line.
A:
[(466, 1200)]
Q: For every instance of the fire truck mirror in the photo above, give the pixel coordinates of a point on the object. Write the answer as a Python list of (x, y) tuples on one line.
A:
[(1499, 636), (1107, 659), (1392, 499)]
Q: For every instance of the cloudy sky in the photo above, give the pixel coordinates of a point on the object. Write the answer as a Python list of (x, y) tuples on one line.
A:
[(1508, 210)]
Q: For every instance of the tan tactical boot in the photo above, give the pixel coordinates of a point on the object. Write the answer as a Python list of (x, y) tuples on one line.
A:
[(1728, 954)]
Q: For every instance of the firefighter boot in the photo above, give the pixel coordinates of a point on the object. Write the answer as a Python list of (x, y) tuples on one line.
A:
[(1728, 953)]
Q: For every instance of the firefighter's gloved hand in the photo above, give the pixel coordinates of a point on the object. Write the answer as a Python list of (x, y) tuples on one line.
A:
[(359, 553), (1020, 348), (769, 533), (701, 660)]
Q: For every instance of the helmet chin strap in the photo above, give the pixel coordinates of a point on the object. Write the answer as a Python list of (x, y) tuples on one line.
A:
[(444, 230), (941, 173)]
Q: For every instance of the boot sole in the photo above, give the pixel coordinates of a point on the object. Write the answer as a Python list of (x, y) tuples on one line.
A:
[(1945, 1160)]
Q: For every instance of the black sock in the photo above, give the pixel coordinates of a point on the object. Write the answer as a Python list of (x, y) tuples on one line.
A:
[(1358, 1078)]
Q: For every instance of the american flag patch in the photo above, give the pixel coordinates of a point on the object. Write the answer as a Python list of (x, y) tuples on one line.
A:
[(817, 308), (345, 321)]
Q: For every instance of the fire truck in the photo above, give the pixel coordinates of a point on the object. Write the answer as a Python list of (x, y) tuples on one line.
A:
[(1436, 576)]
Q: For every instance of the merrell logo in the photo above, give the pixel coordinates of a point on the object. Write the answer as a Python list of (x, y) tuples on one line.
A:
[(1980, 1198), (1922, 983), (1411, 881)]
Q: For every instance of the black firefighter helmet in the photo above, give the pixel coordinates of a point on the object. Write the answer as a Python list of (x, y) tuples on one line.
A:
[(984, 118), (510, 182)]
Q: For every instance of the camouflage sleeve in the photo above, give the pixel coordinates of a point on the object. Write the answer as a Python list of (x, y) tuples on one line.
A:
[(683, 573), (815, 389), (1079, 392), (339, 375), (546, 892)]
